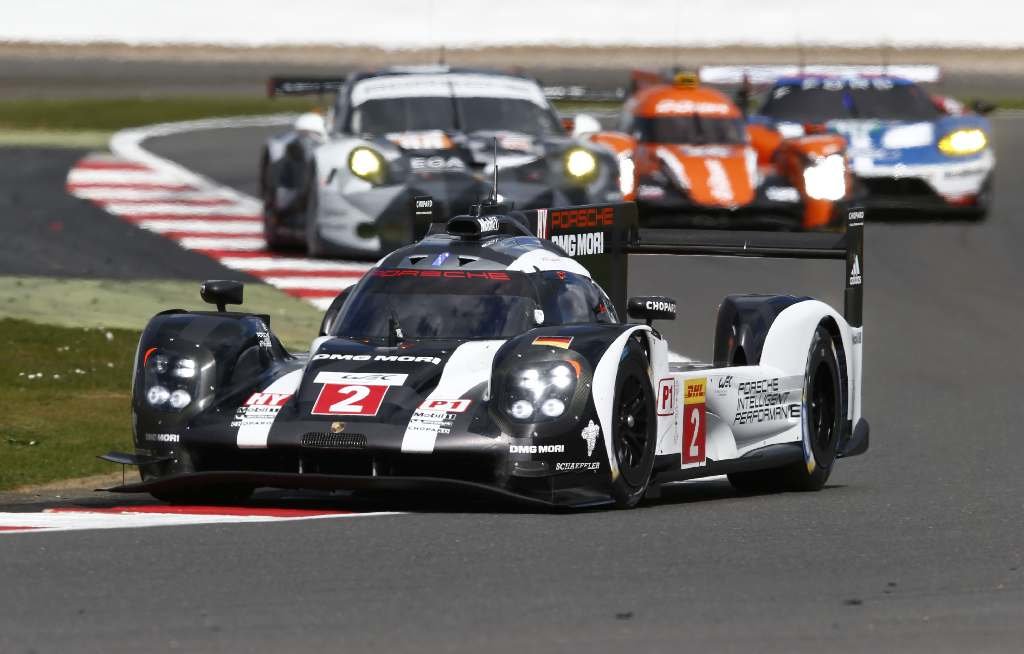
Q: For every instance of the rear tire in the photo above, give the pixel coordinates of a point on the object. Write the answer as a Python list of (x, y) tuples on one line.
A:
[(634, 431), (822, 419)]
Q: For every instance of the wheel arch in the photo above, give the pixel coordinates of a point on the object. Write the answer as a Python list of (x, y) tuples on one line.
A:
[(786, 346)]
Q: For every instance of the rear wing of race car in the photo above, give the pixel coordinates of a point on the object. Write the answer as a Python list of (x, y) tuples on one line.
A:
[(601, 238), (303, 85), (583, 94), (767, 73)]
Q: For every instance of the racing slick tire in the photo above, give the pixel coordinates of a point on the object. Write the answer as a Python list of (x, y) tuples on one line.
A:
[(634, 430), (271, 234), (314, 246), (822, 418)]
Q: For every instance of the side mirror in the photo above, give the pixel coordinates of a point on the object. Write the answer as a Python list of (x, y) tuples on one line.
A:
[(311, 123), (982, 107), (221, 292), (584, 125), (651, 307)]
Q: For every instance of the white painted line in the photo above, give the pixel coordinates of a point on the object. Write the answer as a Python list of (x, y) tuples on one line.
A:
[(115, 194), (26, 523), (312, 283), (227, 243), (203, 226), (322, 303), (107, 176), (272, 264), (176, 209), (128, 144)]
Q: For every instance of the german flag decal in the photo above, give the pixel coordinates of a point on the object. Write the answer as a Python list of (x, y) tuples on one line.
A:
[(554, 341)]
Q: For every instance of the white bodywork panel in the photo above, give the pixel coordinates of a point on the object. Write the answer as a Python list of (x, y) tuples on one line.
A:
[(444, 85), (735, 410)]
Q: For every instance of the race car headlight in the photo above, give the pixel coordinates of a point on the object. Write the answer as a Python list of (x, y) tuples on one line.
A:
[(825, 179), (627, 174), (367, 164), (963, 141), (541, 391), (170, 381), (580, 165)]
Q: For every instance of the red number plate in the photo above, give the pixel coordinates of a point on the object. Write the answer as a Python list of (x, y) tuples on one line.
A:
[(349, 400), (694, 422)]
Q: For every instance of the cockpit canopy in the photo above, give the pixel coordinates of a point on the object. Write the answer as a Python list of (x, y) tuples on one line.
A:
[(399, 304)]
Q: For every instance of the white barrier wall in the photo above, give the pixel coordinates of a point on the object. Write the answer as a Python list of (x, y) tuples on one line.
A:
[(419, 23)]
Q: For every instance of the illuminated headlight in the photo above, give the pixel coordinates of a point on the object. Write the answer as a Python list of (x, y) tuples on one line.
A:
[(157, 395), (171, 382), (963, 141), (825, 179), (184, 368), (179, 399), (552, 407), (627, 174), (580, 165), (521, 410), (367, 164), (542, 391)]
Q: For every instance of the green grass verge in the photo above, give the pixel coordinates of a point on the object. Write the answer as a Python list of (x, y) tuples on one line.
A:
[(65, 382), (66, 399), (130, 304), (106, 115)]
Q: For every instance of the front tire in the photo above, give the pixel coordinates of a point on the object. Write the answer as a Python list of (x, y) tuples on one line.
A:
[(314, 246), (634, 432), (822, 419)]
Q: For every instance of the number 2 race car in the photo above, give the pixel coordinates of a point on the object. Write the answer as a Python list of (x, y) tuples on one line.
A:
[(484, 358)]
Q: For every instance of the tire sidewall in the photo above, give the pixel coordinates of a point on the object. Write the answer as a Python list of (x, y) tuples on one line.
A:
[(625, 492), (818, 460)]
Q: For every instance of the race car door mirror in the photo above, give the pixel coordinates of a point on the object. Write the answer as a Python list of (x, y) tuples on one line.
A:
[(585, 125), (221, 292), (982, 107), (651, 307)]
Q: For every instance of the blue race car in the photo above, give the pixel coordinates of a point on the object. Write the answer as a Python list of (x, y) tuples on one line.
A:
[(907, 149)]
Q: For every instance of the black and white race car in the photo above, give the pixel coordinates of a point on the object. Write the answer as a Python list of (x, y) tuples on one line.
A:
[(342, 185), (492, 356)]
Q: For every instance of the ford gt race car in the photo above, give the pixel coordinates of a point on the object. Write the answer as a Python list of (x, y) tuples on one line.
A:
[(493, 357), (344, 186), (908, 150), (691, 160)]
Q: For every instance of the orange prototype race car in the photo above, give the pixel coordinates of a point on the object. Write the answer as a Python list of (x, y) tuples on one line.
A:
[(688, 158)]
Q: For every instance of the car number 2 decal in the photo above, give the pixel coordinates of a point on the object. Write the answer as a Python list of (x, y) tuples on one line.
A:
[(349, 400), (694, 446)]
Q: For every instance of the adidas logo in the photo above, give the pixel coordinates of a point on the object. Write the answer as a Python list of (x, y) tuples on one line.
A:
[(855, 276)]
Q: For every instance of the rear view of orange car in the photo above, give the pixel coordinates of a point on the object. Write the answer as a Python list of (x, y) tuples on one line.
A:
[(695, 162)]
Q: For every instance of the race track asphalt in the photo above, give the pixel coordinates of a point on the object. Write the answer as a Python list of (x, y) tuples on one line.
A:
[(46, 232), (914, 547)]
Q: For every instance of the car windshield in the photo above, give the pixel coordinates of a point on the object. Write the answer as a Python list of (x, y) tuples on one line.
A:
[(466, 305), (819, 101), (468, 114), (693, 130)]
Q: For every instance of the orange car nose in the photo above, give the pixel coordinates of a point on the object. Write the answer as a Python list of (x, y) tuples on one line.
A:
[(717, 176)]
